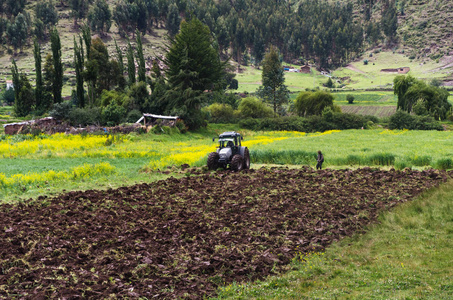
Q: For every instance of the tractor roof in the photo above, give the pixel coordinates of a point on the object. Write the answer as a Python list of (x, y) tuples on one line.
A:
[(229, 134)]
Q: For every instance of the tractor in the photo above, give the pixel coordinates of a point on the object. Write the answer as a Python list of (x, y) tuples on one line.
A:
[(229, 153)]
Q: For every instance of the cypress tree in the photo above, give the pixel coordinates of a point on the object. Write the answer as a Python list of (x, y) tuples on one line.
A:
[(119, 55), (86, 35), (130, 64), (78, 63), (16, 81), (23, 93), (39, 84), (140, 58), (58, 66)]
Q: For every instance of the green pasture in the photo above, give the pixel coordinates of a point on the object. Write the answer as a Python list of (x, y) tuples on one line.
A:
[(357, 75), (355, 148), (381, 98), (407, 255)]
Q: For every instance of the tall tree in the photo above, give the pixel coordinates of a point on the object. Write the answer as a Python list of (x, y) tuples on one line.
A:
[(100, 17), (130, 64), (16, 79), (79, 9), (14, 7), (416, 96), (55, 45), (39, 84), (194, 67), (389, 21), (17, 32), (24, 96), (140, 58), (47, 13), (78, 64), (119, 57), (173, 19), (48, 77), (86, 36), (273, 89)]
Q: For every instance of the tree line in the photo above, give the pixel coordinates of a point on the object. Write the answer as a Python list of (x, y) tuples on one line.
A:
[(111, 86), (328, 33)]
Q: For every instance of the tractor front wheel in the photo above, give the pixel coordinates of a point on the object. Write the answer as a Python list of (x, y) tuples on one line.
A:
[(213, 161), (246, 159), (236, 163)]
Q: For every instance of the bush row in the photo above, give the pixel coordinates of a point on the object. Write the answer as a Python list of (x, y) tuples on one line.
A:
[(109, 115), (329, 121), (404, 120)]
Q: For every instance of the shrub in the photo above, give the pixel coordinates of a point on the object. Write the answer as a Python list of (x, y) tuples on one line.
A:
[(181, 126), (444, 164), (403, 120), (312, 103), (61, 111), (221, 113), (112, 114), (8, 96), (348, 121), (85, 116), (365, 62), (329, 84), (350, 98), (252, 107), (133, 116)]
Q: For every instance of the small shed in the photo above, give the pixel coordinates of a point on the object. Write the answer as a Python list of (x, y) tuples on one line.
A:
[(402, 70), (151, 119), (9, 84), (305, 69)]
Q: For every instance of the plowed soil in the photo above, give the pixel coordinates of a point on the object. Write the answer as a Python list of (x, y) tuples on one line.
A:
[(184, 237)]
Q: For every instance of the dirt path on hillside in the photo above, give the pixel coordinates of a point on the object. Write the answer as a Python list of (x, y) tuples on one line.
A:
[(355, 69)]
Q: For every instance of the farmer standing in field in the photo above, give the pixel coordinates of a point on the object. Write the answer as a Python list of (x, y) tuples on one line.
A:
[(320, 160)]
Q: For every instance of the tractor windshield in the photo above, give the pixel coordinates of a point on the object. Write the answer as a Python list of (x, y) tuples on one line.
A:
[(226, 143)]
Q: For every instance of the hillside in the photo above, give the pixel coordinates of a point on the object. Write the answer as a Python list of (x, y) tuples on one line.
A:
[(424, 36)]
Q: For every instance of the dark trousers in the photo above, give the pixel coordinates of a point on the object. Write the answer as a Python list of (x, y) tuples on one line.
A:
[(319, 165)]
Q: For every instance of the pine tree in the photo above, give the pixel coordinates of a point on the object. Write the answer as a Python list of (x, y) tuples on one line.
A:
[(100, 17), (273, 89), (194, 67), (79, 9)]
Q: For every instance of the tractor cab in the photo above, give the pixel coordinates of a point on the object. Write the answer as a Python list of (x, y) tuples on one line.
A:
[(230, 140)]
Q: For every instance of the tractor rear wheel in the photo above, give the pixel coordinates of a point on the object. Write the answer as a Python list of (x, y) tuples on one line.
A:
[(246, 160), (236, 163), (213, 161)]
